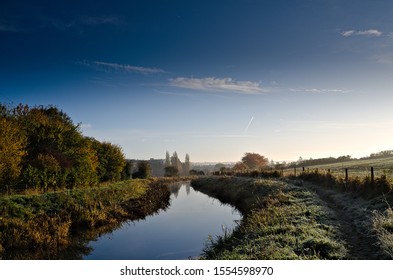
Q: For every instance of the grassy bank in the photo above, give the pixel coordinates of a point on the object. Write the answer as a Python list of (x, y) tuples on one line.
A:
[(50, 221), (281, 221)]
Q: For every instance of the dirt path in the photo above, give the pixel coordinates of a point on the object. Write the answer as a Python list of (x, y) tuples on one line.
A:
[(353, 216)]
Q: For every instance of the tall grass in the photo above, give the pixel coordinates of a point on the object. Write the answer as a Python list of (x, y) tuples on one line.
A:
[(364, 186), (383, 226)]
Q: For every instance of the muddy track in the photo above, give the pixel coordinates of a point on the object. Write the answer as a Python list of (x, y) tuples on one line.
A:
[(353, 217)]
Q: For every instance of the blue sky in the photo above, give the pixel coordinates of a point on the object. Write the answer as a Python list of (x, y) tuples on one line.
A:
[(214, 79)]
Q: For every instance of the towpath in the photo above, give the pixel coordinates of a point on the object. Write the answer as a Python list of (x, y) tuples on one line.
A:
[(354, 220)]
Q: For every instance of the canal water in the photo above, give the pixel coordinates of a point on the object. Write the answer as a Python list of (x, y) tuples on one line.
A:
[(179, 232)]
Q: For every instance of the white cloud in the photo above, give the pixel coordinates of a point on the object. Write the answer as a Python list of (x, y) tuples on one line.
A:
[(369, 32), (217, 84), (107, 66), (319, 90), (347, 33)]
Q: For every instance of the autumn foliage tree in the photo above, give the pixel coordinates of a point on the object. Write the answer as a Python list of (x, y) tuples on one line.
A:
[(41, 147), (111, 160), (58, 155), (239, 167), (12, 150), (254, 161)]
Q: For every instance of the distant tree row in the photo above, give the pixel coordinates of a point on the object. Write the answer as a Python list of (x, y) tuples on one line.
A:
[(382, 154), (319, 161), (174, 167), (40, 147)]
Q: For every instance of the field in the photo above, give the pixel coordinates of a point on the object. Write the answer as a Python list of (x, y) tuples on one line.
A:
[(356, 168)]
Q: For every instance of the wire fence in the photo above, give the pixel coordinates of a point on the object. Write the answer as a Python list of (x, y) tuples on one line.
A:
[(346, 173)]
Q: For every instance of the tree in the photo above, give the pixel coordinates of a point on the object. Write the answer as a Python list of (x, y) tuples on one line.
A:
[(218, 167), (254, 161), (193, 172), (167, 159), (111, 161), (12, 150), (187, 165), (174, 159), (175, 162), (239, 167), (144, 170), (42, 147), (171, 171), (58, 155)]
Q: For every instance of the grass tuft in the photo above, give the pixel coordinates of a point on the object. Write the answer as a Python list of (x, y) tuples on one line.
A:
[(383, 226)]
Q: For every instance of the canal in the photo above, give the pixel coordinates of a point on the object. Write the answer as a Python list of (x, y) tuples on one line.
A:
[(179, 232)]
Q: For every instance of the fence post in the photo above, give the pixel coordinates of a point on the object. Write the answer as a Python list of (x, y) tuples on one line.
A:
[(346, 174), (372, 175), (303, 169), (294, 171), (282, 171)]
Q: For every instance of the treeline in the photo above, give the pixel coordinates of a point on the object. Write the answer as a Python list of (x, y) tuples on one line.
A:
[(331, 160), (319, 161), (174, 167), (41, 148), (382, 154)]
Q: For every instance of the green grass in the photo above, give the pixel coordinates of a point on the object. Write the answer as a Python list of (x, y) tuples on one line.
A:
[(281, 221), (50, 221)]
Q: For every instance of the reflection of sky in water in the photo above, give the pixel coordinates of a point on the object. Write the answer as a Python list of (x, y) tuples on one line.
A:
[(178, 233)]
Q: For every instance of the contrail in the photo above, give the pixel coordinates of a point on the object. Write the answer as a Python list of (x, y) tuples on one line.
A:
[(249, 123)]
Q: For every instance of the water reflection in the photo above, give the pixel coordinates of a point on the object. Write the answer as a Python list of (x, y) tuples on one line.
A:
[(179, 232)]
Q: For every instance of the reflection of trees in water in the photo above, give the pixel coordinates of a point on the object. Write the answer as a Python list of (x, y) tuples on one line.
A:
[(155, 199), (174, 189), (188, 189)]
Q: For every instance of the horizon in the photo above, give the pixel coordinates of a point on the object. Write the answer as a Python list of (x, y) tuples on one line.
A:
[(214, 79)]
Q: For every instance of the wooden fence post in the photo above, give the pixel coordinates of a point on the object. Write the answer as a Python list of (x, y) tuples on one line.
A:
[(294, 171), (346, 174), (303, 169)]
